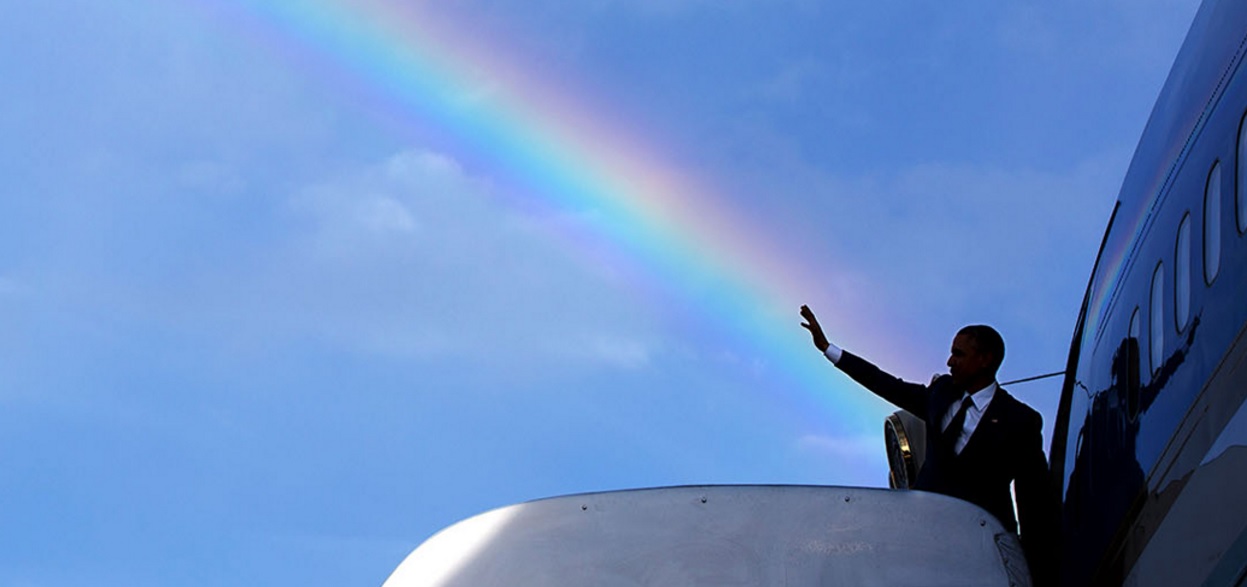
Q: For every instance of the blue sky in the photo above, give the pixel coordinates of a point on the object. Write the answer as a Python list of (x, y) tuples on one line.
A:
[(261, 328)]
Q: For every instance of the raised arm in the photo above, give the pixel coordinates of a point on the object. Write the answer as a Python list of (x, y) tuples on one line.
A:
[(907, 396)]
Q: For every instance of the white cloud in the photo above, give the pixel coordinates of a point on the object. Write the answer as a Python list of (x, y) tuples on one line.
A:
[(414, 191), (362, 216), (413, 257), (842, 448)]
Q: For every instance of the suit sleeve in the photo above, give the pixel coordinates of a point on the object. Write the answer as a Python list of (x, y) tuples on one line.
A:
[(911, 397), (1036, 500)]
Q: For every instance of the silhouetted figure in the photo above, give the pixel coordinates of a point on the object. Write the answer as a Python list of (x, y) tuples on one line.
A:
[(979, 438)]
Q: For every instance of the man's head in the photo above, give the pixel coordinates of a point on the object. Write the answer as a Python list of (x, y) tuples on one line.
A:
[(976, 355)]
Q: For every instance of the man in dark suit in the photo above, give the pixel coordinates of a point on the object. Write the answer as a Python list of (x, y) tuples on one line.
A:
[(979, 438)]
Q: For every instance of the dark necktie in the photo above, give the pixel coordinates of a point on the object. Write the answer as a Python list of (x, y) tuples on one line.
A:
[(953, 432)]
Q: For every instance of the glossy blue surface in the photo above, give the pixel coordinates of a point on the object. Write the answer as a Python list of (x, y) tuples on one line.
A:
[(1131, 430)]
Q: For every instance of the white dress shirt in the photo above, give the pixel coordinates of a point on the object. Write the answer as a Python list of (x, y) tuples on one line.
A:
[(982, 398)]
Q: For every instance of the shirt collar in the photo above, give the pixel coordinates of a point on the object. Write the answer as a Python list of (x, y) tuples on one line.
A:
[(984, 396)]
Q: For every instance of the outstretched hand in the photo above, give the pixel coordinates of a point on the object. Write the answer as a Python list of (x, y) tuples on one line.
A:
[(816, 331)]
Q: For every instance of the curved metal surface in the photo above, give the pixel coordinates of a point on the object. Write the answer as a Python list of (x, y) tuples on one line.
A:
[(904, 436), (792, 536), (1146, 451)]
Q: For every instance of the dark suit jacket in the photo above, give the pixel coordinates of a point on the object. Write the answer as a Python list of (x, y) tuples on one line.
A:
[(1007, 446)]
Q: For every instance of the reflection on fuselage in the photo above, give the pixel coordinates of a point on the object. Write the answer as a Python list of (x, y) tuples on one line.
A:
[(1106, 480)]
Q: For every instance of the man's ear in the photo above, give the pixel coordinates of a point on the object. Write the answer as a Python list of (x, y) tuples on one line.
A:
[(992, 363)]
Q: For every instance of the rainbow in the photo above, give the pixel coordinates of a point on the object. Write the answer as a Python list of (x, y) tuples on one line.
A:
[(577, 160)]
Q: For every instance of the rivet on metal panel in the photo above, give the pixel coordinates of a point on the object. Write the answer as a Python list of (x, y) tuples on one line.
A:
[(584, 508), (982, 523), (703, 499), (846, 499)]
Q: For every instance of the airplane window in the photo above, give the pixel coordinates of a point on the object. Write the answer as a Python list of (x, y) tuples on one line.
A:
[(1241, 192), (1182, 274), (1134, 333), (1212, 224), (1157, 325)]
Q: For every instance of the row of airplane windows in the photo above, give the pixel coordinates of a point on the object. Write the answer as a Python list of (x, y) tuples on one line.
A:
[(1213, 204)]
